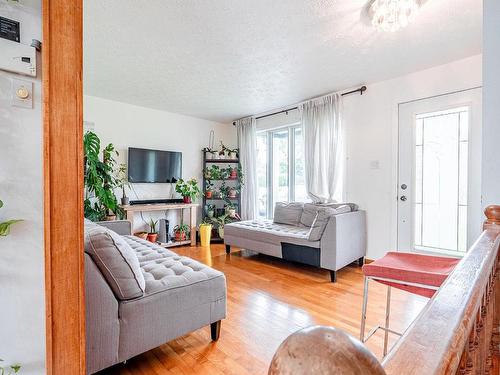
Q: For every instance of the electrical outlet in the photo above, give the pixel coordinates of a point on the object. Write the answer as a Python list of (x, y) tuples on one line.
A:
[(22, 93)]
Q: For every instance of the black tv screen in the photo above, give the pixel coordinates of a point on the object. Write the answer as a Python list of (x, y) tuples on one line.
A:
[(154, 165)]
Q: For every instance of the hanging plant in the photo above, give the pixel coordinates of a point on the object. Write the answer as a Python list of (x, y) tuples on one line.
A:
[(5, 229)]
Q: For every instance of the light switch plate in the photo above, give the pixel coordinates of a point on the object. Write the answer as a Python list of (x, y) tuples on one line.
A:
[(19, 85)]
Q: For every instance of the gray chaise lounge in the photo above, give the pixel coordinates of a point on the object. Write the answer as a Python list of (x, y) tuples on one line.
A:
[(140, 295), (327, 236)]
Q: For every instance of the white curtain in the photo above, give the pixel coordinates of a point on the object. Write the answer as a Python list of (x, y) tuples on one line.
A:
[(323, 148), (247, 143)]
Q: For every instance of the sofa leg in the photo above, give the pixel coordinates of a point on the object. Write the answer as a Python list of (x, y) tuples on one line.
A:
[(333, 276), (215, 330), (228, 249), (361, 261)]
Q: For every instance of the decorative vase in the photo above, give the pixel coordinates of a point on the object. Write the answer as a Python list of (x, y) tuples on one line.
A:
[(205, 234), (186, 199), (152, 237), (125, 201)]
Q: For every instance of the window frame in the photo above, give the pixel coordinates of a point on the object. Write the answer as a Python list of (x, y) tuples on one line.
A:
[(269, 160)]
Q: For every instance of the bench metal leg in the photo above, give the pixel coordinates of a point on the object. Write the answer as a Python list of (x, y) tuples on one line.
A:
[(228, 249), (363, 311), (333, 276), (387, 318)]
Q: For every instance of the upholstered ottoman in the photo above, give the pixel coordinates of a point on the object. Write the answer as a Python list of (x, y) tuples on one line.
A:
[(181, 296)]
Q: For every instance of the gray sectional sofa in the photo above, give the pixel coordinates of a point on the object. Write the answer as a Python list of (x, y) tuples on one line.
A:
[(329, 236), (140, 295)]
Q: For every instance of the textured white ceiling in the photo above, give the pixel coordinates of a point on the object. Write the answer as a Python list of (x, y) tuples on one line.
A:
[(224, 59)]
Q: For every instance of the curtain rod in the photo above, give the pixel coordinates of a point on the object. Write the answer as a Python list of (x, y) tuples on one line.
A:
[(361, 90)]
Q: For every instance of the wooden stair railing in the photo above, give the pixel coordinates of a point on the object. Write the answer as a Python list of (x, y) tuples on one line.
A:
[(457, 332)]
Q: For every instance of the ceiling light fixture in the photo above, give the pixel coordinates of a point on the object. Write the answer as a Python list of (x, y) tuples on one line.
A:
[(392, 15)]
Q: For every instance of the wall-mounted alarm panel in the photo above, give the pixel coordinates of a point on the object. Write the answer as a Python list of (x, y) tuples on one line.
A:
[(17, 58)]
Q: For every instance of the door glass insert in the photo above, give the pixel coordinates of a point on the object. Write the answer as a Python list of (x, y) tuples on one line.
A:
[(441, 166)]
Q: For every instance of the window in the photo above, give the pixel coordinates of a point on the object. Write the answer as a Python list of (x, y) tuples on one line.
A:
[(441, 167), (280, 168)]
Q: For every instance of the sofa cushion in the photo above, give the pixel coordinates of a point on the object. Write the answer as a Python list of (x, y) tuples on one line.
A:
[(288, 213), (319, 224), (269, 232), (311, 209), (116, 260)]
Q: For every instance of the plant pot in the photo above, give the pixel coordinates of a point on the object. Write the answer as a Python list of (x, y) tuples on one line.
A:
[(125, 201), (234, 174), (208, 194), (205, 234), (152, 237), (186, 199), (221, 231), (222, 156), (232, 194), (180, 236), (143, 235), (232, 155), (110, 218)]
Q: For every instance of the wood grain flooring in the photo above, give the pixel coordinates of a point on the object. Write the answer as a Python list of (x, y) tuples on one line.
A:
[(268, 299)]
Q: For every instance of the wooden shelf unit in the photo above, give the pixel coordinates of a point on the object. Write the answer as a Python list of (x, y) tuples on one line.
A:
[(237, 199)]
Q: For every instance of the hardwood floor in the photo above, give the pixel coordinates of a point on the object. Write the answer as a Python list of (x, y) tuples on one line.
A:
[(268, 299)]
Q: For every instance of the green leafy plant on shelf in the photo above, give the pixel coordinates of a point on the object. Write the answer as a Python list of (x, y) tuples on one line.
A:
[(9, 370), (100, 181), (181, 232), (188, 189), (5, 228)]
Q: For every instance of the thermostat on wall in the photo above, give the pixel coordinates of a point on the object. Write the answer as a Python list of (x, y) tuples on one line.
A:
[(9, 29)]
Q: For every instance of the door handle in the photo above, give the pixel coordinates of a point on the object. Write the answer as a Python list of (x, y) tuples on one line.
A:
[(403, 198)]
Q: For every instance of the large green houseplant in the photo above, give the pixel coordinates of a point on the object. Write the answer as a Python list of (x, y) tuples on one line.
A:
[(100, 181), (188, 189)]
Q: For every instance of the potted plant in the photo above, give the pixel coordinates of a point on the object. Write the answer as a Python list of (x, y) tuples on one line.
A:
[(100, 181), (122, 182), (233, 173), (188, 189), (230, 209), (205, 230), (209, 153), (5, 226), (152, 234), (209, 190), (233, 192), (222, 151), (220, 221), (210, 210), (180, 232), (12, 369), (233, 153), (213, 173)]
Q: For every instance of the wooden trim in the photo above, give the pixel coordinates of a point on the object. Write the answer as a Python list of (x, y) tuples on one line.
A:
[(62, 50)]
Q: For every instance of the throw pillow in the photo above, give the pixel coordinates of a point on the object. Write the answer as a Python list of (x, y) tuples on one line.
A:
[(288, 213), (116, 260), (319, 224)]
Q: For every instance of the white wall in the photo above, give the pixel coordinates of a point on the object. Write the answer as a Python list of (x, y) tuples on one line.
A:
[(22, 298), (491, 100), (371, 122), (126, 125)]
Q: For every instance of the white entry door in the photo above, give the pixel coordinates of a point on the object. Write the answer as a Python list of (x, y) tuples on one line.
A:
[(439, 192)]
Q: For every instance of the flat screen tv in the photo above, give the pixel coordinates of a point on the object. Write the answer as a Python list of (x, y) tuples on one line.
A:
[(154, 165)]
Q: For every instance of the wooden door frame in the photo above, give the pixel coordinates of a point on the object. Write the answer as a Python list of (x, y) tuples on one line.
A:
[(62, 51)]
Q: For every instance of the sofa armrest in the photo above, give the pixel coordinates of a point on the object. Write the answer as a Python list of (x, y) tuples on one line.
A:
[(122, 227), (344, 240)]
